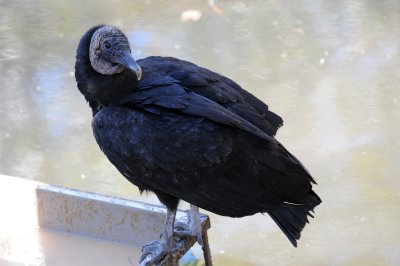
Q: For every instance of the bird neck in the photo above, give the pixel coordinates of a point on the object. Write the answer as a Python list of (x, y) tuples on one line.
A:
[(100, 90)]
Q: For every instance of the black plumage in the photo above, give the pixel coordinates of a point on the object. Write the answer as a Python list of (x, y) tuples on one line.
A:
[(187, 133)]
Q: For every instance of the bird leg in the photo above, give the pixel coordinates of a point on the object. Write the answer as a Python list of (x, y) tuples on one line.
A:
[(193, 228), (155, 251)]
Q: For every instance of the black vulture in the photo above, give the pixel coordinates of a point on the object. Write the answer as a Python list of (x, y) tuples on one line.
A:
[(187, 133)]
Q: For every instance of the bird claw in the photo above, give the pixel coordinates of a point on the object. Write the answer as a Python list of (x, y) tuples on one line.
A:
[(153, 253), (184, 230)]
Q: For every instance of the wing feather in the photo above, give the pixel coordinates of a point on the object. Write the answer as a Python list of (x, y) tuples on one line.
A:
[(215, 87)]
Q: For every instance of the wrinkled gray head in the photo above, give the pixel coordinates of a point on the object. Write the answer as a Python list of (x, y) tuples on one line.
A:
[(110, 52)]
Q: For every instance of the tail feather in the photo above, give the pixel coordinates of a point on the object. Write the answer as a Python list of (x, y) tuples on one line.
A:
[(292, 218)]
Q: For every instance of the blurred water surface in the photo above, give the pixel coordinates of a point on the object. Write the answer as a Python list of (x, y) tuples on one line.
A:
[(329, 68)]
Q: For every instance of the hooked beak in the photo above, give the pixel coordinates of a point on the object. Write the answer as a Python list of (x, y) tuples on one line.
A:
[(127, 61)]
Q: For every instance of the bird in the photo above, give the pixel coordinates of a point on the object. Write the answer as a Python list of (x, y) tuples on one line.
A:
[(189, 134)]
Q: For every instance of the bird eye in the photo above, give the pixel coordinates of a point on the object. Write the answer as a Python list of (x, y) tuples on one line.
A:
[(107, 45)]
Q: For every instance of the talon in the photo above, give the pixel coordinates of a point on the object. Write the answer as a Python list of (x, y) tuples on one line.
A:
[(153, 253), (182, 233), (155, 242)]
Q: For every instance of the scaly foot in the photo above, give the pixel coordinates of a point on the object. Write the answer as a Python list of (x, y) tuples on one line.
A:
[(193, 228), (153, 253)]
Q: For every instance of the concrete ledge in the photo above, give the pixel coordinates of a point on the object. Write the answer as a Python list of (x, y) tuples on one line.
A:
[(99, 216), (90, 214)]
